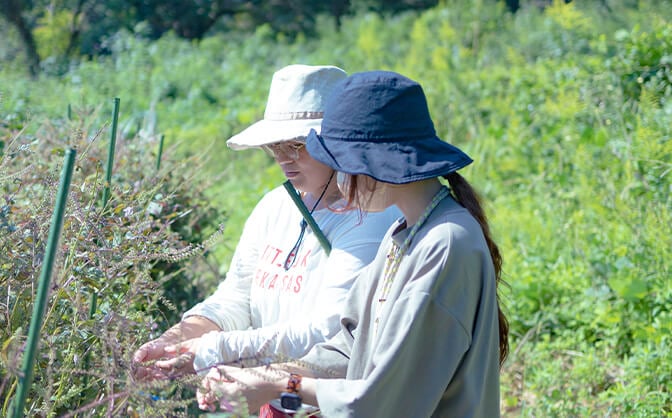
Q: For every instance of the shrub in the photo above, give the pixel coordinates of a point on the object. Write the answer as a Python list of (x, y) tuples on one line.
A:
[(132, 254)]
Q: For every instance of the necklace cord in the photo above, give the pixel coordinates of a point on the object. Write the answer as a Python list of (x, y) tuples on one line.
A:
[(396, 252)]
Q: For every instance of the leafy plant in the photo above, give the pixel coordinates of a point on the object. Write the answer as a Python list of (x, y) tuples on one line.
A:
[(131, 254)]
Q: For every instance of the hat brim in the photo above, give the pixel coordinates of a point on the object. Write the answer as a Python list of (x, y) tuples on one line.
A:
[(396, 162), (267, 132)]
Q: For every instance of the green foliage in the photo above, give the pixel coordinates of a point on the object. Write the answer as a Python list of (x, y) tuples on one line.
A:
[(143, 255), (566, 111), (645, 61), (53, 34), (87, 27)]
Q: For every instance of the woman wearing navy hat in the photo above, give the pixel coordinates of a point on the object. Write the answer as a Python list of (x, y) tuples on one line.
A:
[(422, 333)]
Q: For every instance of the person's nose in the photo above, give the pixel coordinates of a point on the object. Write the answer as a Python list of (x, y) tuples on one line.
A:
[(282, 157)]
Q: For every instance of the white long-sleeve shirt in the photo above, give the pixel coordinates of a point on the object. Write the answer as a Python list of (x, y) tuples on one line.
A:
[(267, 312)]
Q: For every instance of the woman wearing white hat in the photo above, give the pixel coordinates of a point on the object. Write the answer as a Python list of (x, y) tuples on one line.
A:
[(285, 287), (422, 333)]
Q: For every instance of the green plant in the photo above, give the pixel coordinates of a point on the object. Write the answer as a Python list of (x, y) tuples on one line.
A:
[(132, 254)]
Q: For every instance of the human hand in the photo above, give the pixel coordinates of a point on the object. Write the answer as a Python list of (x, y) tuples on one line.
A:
[(164, 358), (234, 389), (145, 357), (212, 393), (179, 358)]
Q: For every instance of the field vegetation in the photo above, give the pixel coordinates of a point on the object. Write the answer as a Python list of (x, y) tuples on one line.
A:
[(566, 110)]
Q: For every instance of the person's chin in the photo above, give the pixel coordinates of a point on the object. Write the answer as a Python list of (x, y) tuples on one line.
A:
[(297, 181), (376, 208)]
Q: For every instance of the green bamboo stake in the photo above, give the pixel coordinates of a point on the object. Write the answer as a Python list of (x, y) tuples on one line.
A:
[(307, 216), (25, 380), (93, 305), (158, 158), (106, 189), (110, 153)]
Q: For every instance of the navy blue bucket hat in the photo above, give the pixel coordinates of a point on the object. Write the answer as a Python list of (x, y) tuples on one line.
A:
[(377, 123)]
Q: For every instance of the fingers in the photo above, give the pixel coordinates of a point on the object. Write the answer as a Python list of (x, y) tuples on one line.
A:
[(209, 396), (177, 366), (152, 350), (205, 400), (179, 348), (140, 355), (147, 353), (177, 362), (168, 364), (149, 373), (142, 371), (173, 348), (161, 367), (205, 396)]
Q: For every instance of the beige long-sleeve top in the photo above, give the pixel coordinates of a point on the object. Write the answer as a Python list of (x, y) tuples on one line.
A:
[(435, 352)]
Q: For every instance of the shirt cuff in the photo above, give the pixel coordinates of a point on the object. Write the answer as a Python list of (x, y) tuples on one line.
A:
[(208, 353)]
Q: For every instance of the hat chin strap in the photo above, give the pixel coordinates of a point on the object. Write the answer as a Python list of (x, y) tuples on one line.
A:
[(307, 219), (324, 191)]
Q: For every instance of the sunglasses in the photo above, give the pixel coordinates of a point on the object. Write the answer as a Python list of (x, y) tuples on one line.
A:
[(288, 149)]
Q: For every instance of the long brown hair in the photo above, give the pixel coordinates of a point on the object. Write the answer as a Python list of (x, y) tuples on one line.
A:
[(467, 197)]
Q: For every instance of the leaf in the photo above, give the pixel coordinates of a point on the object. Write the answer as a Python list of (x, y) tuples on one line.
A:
[(629, 288)]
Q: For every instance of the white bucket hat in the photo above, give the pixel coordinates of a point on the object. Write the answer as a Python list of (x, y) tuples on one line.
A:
[(295, 105)]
